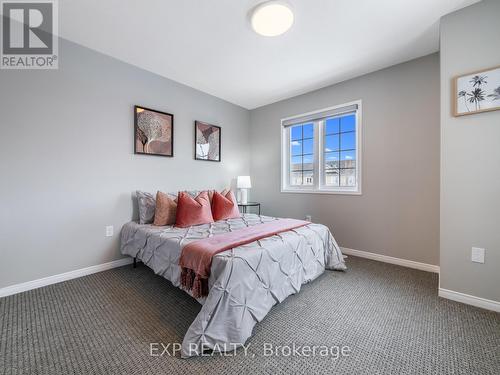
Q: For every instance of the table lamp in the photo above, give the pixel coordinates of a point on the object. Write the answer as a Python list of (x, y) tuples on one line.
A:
[(243, 183)]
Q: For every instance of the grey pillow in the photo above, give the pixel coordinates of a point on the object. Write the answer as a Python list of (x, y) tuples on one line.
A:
[(147, 205)]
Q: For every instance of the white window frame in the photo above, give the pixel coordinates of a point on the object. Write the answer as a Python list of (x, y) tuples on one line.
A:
[(319, 186)]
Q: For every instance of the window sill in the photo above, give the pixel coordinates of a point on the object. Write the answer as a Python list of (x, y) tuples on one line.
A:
[(322, 191)]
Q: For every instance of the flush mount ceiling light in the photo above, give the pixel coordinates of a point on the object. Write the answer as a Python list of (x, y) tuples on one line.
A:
[(272, 18)]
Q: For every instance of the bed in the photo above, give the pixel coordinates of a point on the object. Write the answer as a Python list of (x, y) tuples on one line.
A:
[(245, 282)]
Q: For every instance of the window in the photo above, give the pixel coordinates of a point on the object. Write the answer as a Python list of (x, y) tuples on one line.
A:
[(302, 155), (321, 151)]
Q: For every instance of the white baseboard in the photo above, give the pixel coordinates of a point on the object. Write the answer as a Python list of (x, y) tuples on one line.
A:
[(34, 284), (392, 260), (444, 293), (470, 300)]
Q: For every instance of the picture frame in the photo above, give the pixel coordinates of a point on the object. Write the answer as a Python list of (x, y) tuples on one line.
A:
[(153, 132), (207, 141), (476, 92)]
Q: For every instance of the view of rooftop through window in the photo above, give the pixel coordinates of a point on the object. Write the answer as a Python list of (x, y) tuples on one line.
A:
[(302, 154), (339, 154), (340, 151)]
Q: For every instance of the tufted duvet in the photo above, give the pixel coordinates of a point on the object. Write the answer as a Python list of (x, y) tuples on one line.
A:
[(245, 282)]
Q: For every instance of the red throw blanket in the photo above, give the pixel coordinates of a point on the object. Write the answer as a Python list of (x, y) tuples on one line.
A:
[(196, 257)]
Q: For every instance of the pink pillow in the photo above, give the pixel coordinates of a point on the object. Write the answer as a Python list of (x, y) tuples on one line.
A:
[(166, 209), (224, 206), (193, 211), (211, 194)]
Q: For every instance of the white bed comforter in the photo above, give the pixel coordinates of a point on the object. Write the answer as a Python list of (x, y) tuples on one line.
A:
[(245, 282)]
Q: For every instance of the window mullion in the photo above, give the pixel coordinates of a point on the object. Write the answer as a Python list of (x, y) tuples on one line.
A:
[(319, 125), (290, 156)]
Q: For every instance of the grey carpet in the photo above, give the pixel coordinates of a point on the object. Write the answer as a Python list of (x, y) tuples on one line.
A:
[(389, 316)]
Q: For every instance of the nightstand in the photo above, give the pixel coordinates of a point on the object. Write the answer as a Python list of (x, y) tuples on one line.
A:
[(244, 206)]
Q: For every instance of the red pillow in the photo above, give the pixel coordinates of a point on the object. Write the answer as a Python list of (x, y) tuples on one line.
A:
[(193, 211), (224, 206)]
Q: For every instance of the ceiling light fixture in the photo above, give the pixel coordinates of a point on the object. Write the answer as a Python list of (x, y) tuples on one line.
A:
[(272, 18)]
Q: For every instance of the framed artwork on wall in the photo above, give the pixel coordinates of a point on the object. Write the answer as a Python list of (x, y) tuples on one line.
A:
[(476, 92), (207, 142), (153, 132)]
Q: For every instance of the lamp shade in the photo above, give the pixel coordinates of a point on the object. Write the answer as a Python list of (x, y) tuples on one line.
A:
[(243, 182)]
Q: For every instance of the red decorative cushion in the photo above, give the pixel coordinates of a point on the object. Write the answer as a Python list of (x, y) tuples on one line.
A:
[(193, 211), (224, 206)]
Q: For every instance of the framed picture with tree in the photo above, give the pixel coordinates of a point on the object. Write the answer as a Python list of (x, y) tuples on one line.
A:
[(476, 92), (153, 132)]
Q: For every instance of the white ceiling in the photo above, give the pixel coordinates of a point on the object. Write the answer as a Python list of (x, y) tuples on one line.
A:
[(209, 45)]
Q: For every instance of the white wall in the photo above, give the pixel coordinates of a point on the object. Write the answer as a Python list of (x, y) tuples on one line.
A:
[(398, 213), (67, 165), (470, 157)]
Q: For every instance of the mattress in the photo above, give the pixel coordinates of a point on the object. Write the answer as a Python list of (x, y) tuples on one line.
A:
[(245, 282)]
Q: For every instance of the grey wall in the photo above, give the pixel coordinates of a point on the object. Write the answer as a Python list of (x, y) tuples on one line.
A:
[(470, 157), (67, 165), (398, 213)]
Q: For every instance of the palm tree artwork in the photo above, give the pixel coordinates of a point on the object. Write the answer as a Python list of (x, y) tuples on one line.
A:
[(476, 96), (463, 94), (478, 81), (477, 92)]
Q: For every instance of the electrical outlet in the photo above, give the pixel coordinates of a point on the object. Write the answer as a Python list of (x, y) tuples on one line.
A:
[(477, 255), (109, 231), (308, 218)]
